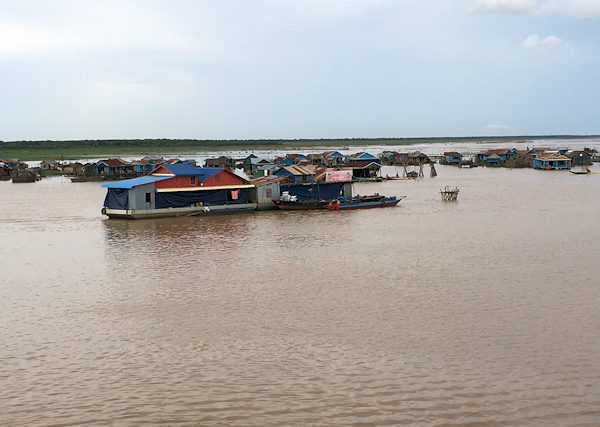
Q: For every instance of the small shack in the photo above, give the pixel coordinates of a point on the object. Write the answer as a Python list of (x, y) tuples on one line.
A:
[(550, 161), (296, 173), (267, 189), (452, 158), (364, 170)]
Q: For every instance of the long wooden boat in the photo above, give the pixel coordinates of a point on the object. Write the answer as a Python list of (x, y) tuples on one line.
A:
[(301, 204), (582, 171), (364, 202)]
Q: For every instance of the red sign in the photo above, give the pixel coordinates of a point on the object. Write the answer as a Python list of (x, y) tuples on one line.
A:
[(338, 176)]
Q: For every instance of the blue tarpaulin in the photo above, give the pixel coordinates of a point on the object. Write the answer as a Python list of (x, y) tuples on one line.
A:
[(325, 190), (116, 198), (180, 199)]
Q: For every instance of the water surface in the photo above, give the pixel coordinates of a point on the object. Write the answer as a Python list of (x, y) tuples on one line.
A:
[(480, 311)]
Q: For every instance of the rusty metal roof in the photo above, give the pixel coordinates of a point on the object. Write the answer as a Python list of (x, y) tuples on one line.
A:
[(298, 170), (269, 179)]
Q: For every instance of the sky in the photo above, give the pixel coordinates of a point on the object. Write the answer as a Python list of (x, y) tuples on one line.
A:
[(291, 69)]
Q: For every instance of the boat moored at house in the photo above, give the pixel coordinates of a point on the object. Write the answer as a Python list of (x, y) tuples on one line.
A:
[(364, 202), (178, 190)]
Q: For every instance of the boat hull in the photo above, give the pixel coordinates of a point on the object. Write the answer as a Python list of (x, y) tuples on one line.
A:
[(384, 202), (170, 212), (301, 204)]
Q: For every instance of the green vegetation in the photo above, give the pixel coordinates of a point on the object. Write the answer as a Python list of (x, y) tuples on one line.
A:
[(78, 149)]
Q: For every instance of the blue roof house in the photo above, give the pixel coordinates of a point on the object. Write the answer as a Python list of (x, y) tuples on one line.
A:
[(365, 157)]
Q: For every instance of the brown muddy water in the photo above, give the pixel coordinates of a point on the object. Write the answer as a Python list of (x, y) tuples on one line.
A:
[(430, 313)]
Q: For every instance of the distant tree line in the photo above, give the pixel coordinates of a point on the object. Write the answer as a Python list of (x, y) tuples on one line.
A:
[(165, 143)]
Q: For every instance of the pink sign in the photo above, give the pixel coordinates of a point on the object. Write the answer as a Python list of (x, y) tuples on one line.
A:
[(338, 176)]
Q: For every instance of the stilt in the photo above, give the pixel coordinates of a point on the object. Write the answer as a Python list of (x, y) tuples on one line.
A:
[(432, 171)]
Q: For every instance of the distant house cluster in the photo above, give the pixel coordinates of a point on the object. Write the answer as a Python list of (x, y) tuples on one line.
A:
[(17, 170), (538, 158), (313, 167), (300, 168), (116, 168)]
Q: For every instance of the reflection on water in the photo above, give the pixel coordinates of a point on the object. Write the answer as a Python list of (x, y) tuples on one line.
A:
[(480, 311)]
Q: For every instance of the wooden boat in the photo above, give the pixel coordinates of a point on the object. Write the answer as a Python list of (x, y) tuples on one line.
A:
[(364, 202), (301, 204), (582, 171), (367, 179), (394, 178)]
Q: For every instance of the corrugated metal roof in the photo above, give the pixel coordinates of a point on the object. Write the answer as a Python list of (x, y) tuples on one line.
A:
[(134, 182), (208, 188), (263, 180), (361, 164), (187, 169), (552, 156), (297, 170), (115, 163)]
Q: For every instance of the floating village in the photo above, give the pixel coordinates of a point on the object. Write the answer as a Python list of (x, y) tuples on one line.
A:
[(156, 187)]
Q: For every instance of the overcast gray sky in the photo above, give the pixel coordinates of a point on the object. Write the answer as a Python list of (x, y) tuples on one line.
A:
[(298, 68)]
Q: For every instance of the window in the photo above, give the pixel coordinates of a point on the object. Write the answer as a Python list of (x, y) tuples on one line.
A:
[(148, 197), (192, 180), (269, 193)]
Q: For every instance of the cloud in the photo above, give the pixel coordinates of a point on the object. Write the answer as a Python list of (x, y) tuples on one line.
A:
[(575, 8), (504, 6), (109, 25), (535, 43)]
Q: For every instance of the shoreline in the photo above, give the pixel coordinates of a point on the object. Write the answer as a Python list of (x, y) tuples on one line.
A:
[(78, 149)]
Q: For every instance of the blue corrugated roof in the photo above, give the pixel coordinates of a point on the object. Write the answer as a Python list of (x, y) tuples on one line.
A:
[(134, 182), (187, 169)]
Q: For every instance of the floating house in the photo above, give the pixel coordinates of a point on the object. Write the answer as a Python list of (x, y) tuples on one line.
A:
[(389, 157), (4, 171), (143, 166), (265, 170), (283, 161), (178, 189), (296, 158), (363, 170), (267, 189), (497, 156), (580, 158), (296, 173), (552, 161), (415, 158), (112, 167), (452, 158), (364, 157), (332, 158), (219, 162)]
